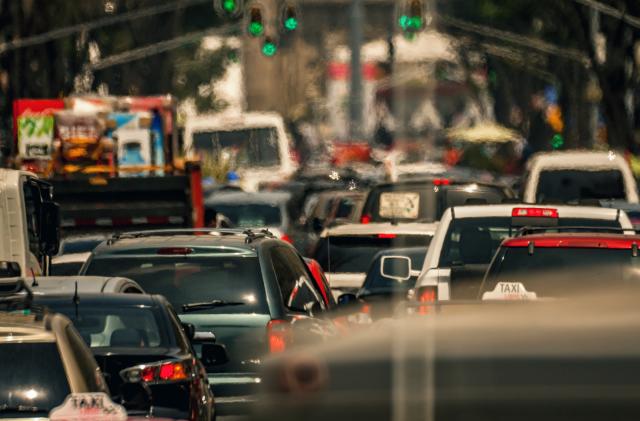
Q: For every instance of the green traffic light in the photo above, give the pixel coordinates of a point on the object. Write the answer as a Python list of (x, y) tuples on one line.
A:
[(269, 49), (256, 29), (415, 22), (404, 22), (229, 6), (291, 24), (557, 141)]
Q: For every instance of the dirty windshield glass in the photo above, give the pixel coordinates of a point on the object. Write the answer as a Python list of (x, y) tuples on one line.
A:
[(248, 147)]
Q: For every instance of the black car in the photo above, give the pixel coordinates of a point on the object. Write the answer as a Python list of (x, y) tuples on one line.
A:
[(138, 338), (249, 289), (426, 199)]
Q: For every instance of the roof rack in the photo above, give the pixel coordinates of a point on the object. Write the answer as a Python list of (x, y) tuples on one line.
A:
[(575, 229), (248, 233)]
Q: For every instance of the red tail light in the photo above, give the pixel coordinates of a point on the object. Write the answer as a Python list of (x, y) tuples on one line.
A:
[(278, 335), (441, 182), (175, 250), (535, 212), (427, 296), (162, 372), (286, 238), (365, 219), (172, 372), (387, 235)]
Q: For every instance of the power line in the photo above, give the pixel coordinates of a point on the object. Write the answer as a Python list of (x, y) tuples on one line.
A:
[(88, 26), (529, 42), (157, 48), (611, 11)]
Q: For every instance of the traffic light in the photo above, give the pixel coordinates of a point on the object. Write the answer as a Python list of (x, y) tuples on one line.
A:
[(255, 26), (269, 47), (228, 8), (411, 17), (557, 141), (290, 20)]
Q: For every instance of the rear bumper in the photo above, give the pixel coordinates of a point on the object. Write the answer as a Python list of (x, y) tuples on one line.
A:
[(234, 393)]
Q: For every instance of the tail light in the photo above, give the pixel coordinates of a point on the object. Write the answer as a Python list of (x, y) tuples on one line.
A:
[(441, 182), (278, 335), (535, 212), (365, 219), (161, 372), (427, 297), (286, 238), (387, 236)]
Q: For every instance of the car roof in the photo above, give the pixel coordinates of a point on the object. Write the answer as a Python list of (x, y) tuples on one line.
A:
[(405, 228), (575, 240), (243, 198), (576, 159), (85, 299), (214, 239), (63, 284), (505, 210), (427, 181)]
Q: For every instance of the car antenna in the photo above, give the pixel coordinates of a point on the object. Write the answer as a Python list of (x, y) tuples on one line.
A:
[(35, 281), (76, 299)]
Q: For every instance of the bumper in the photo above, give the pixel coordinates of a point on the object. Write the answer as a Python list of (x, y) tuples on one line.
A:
[(234, 393)]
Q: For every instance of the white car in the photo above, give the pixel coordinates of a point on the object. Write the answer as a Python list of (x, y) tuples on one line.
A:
[(468, 236), (44, 285), (575, 176), (345, 252)]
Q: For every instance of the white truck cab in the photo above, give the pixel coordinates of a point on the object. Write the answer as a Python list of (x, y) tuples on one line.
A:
[(575, 176), (468, 236), (29, 224), (256, 145)]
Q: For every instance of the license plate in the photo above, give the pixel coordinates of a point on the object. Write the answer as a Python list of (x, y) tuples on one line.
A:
[(506, 291), (399, 205)]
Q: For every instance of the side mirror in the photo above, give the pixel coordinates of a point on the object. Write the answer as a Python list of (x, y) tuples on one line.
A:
[(203, 337), (397, 268), (135, 397), (50, 228), (347, 299), (189, 330), (213, 355), (9, 269)]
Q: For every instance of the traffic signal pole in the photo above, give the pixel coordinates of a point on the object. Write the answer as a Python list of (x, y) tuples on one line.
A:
[(356, 29)]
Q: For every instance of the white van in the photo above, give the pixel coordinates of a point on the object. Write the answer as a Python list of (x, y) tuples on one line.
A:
[(256, 144), (575, 176)]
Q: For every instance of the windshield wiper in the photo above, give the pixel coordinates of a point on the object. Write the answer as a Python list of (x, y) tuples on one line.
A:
[(4, 408), (210, 304)]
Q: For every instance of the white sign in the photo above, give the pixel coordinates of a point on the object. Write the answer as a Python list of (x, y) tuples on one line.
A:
[(88, 406), (35, 136), (509, 291), (399, 205)]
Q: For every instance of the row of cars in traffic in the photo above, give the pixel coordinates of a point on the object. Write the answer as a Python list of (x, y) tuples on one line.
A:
[(222, 300)]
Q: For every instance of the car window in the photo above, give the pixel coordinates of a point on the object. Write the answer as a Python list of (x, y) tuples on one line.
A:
[(190, 280), (114, 326), (297, 288), (35, 377), (471, 194), (256, 147), (87, 364), (567, 186), (402, 202), (66, 269), (475, 240), (353, 254), (250, 215), (560, 272)]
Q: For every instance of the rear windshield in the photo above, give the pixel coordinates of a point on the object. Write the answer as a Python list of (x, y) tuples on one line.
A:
[(558, 272), (248, 215), (475, 240), (35, 378), (116, 326), (353, 254), (375, 282), (185, 280), (402, 203), (574, 185), (247, 147)]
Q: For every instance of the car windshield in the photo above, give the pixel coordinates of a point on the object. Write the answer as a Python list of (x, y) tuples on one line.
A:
[(564, 271), (246, 147), (249, 215), (32, 376), (569, 186), (188, 280), (377, 283), (353, 254), (108, 325), (475, 240)]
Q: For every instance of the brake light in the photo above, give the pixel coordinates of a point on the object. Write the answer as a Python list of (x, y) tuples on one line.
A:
[(286, 238), (175, 250), (441, 182), (172, 372), (161, 372), (387, 235), (427, 296), (278, 335), (535, 212), (365, 219)]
